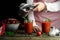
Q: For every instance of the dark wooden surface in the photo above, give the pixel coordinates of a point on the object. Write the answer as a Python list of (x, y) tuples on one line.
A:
[(29, 37)]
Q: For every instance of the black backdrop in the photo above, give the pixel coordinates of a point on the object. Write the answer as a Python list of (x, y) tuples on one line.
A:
[(9, 8)]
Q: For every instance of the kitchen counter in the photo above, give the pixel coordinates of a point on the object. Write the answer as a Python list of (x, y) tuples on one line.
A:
[(29, 37)]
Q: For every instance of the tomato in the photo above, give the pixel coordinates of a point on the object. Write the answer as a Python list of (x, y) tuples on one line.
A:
[(13, 22), (38, 33)]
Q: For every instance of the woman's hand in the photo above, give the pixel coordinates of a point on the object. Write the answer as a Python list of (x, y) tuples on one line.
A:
[(35, 29), (41, 6)]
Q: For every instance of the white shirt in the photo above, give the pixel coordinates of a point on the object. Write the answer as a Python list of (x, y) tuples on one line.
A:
[(53, 7)]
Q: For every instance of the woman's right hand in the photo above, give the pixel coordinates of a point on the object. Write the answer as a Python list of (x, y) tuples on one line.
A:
[(41, 6)]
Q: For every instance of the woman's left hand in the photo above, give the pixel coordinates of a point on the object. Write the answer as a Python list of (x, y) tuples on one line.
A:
[(35, 29)]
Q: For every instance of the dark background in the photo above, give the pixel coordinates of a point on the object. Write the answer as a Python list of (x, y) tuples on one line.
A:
[(9, 8)]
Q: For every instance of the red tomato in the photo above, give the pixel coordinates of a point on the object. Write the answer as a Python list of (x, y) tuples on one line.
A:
[(13, 22), (2, 31), (38, 33)]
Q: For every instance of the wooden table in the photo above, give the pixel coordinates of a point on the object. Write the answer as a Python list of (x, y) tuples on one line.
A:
[(30, 37)]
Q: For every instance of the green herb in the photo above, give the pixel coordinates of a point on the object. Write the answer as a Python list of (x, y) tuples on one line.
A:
[(24, 17), (9, 33), (48, 20)]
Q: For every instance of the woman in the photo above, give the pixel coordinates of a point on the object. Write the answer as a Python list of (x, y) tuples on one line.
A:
[(53, 15)]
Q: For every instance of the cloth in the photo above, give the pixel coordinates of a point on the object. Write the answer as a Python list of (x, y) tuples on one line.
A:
[(31, 14), (53, 7), (53, 15)]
